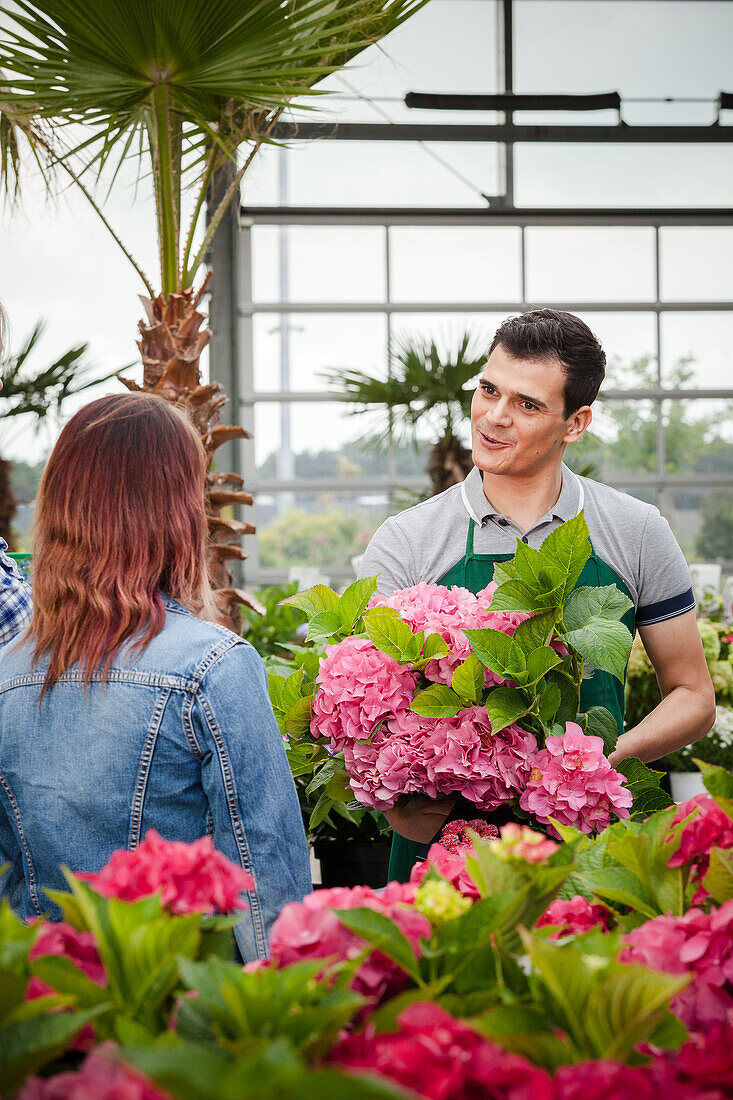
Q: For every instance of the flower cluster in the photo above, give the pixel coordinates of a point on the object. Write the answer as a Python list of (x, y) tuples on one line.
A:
[(456, 835), (574, 916), (362, 706), (521, 842), (573, 782), (450, 866), (700, 944), (442, 1058), (100, 1077), (708, 827), (310, 930), (190, 878)]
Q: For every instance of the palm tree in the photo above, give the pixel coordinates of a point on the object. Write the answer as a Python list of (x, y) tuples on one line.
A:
[(38, 392), (181, 85), (425, 389)]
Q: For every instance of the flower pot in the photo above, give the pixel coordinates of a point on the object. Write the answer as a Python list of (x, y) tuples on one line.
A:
[(353, 862), (685, 785)]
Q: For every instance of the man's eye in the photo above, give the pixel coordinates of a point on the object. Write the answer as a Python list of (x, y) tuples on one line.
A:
[(528, 406)]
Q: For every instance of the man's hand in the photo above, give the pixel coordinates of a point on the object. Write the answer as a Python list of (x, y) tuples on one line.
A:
[(687, 710), (419, 818)]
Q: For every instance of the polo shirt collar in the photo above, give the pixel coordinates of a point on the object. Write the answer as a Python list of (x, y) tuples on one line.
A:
[(479, 508)]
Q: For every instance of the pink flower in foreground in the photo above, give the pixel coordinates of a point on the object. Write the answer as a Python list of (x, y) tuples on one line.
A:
[(358, 687), (100, 1077), (702, 1069), (710, 827), (574, 916), (450, 865), (191, 878), (81, 949), (697, 943), (521, 842), (605, 1081), (311, 930), (456, 835), (441, 1058), (572, 781)]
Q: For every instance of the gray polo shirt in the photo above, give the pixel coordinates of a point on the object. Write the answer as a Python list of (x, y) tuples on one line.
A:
[(421, 544)]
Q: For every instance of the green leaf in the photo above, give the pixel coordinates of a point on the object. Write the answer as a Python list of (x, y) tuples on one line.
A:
[(603, 642), (534, 633), (643, 782), (718, 879), (313, 600), (387, 632), (493, 648), (719, 784), (523, 1029), (567, 978), (28, 1045), (504, 706), (617, 885), (436, 701), (528, 564), (468, 679), (599, 722), (435, 647), (354, 601), (383, 934), (567, 709), (623, 1009), (515, 595), (540, 662), (60, 973), (549, 702), (323, 626), (585, 604), (292, 690), (565, 551), (297, 719)]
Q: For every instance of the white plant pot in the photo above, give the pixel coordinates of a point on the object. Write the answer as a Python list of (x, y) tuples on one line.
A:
[(685, 785)]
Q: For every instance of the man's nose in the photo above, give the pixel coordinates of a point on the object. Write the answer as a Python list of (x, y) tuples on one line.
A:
[(501, 413)]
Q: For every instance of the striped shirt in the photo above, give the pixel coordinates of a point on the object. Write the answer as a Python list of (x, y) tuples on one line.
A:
[(16, 603)]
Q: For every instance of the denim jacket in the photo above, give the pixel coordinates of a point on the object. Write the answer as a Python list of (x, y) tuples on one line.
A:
[(181, 739)]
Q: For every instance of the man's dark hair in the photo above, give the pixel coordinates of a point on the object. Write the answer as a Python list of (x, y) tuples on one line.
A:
[(552, 334)]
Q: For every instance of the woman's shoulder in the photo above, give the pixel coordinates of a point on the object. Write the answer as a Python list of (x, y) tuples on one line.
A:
[(195, 646)]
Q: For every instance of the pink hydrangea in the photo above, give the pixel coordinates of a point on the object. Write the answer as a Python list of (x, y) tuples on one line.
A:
[(708, 828), (450, 865), (191, 878), (311, 930), (100, 1077), (520, 842), (456, 835), (606, 1081), (358, 687), (574, 916), (697, 943), (702, 1069), (464, 756), (81, 949), (572, 781), (441, 1058), (392, 763)]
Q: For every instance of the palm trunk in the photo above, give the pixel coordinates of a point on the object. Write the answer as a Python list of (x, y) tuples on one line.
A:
[(172, 337), (449, 463)]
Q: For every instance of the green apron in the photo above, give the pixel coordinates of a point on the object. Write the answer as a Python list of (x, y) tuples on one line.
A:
[(474, 572)]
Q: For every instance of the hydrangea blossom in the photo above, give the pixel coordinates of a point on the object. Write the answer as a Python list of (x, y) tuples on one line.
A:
[(702, 1069), (456, 835), (310, 930), (440, 902), (574, 916), (190, 878), (100, 1077), (709, 827), (441, 1058), (451, 866), (697, 943), (358, 688), (606, 1081), (520, 842), (80, 948), (572, 781)]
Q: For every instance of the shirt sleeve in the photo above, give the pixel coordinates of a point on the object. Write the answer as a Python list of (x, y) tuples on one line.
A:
[(16, 603), (389, 557), (254, 805), (665, 585)]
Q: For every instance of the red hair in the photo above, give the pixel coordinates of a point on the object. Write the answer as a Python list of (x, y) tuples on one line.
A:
[(119, 515)]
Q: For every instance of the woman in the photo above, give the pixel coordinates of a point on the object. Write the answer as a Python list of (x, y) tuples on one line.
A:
[(120, 710)]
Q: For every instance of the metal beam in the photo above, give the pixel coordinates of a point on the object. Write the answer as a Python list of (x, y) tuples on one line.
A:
[(512, 133), (512, 101), (481, 215), (511, 306), (376, 485), (657, 394)]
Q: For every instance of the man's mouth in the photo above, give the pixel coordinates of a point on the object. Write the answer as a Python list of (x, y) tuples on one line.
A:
[(492, 441)]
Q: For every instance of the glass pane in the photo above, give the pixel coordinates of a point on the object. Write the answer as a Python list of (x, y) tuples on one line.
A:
[(705, 521), (455, 263), (303, 263), (634, 176), (569, 263), (697, 437), (321, 530), (318, 342), (697, 350), (375, 173), (314, 429), (621, 442), (629, 341), (696, 263)]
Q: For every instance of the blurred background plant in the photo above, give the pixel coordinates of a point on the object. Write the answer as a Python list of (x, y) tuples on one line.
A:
[(643, 694)]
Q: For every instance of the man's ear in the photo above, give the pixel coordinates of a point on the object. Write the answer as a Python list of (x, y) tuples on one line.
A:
[(577, 423)]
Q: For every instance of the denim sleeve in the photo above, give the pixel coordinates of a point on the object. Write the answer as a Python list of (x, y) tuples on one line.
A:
[(16, 606), (251, 793)]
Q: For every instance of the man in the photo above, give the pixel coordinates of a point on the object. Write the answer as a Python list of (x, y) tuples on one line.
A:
[(533, 399), (15, 595)]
